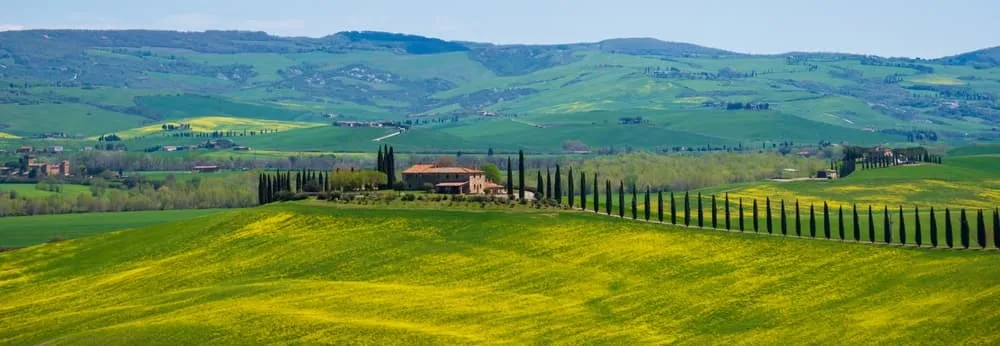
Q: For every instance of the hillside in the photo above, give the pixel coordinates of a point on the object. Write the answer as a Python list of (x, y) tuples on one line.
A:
[(647, 93), (314, 274)]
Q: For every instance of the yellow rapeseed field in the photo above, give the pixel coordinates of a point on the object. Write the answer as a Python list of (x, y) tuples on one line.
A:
[(220, 123)]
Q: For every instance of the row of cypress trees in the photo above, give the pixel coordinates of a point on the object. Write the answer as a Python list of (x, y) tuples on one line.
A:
[(271, 186), (386, 163)]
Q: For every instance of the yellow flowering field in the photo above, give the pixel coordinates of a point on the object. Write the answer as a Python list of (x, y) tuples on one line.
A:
[(312, 273), (219, 123)]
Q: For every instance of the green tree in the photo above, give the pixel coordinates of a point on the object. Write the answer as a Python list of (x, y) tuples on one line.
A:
[(715, 221), (607, 196), (798, 220), (727, 212), (756, 227), (886, 224), (647, 205), (491, 171), (767, 213), (980, 229), (812, 221), (742, 228), (949, 234), (687, 209), (934, 229), (621, 199), (918, 236), (964, 229), (857, 224), (902, 227), (840, 223), (540, 190), (871, 225), (548, 184), (583, 191), (558, 185), (520, 175), (659, 205), (510, 179), (673, 209), (635, 202), (826, 220), (996, 228), (597, 196), (569, 187), (701, 217)]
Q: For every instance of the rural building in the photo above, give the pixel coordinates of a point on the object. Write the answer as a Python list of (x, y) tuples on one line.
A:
[(48, 169), (55, 149), (24, 150), (454, 180), (205, 169), (241, 148), (827, 174)]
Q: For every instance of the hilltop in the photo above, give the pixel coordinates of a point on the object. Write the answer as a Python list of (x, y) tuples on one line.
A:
[(314, 274), (642, 92)]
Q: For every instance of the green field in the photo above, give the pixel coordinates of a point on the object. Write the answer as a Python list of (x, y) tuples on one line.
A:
[(30, 190), (303, 273), (31, 230)]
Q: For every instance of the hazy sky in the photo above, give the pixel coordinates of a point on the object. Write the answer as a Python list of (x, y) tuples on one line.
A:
[(915, 28)]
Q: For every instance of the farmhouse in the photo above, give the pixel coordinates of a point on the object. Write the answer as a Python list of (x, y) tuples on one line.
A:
[(826, 174), (454, 180), (205, 169), (48, 169)]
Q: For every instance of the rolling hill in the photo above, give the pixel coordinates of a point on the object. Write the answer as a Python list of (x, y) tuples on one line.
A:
[(302, 273), (86, 83)]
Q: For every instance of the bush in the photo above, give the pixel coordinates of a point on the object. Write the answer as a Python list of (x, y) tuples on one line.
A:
[(409, 197), (399, 186)]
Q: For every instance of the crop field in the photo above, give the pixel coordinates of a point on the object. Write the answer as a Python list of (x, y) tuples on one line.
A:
[(4, 135), (318, 274), (220, 123), (29, 190), (31, 230)]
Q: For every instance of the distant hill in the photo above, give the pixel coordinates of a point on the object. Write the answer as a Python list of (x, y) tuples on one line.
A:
[(651, 46), (989, 57)]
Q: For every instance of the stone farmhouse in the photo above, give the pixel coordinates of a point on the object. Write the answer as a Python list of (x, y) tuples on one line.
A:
[(452, 180)]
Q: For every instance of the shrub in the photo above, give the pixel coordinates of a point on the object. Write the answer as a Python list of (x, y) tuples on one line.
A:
[(409, 197)]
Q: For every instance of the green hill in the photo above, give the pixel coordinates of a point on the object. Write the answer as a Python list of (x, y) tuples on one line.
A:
[(298, 273), (92, 82)]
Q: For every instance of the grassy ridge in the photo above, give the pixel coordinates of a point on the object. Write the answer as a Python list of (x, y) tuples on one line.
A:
[(220, 123), (297, 273), (30, 230)]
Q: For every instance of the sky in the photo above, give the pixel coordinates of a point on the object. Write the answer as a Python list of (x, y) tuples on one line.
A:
[(910, 28)]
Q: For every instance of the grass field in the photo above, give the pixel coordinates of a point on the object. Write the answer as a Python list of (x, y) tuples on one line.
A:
[(220, 123), (315, 274), (31, 230), (29, 190), (4, 135)]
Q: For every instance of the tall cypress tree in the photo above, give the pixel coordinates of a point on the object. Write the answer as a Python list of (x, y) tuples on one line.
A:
[(902, 227), (510, 180), (840, 222), (812, 221), (798, 220), (673, 209), (380, 161), (784, 222), (260, 188), (826, 220), (701, 217), (756, 225), (621, 199), (770, 219), (597, 196), (569, 187), (742, 228), (583, 191), (996, 228), (727, 212), (548, 184), (980, 229), (687, 209), (659, 205), (647, 205), (918, 235), (857, 224), (964, 229), (540, 190), (558, 186), (607, 196), (949, 234), (934, 229), (520, 175), (887, 231), (715, 221), (391, 169), (871, 225), (635, 203)]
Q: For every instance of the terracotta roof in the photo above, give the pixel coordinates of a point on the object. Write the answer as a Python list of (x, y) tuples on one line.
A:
[(456, 184), (431, 169)]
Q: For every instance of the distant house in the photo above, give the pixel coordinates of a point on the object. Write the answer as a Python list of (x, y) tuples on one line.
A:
[(24, 150), (205, 169), (826, 174), (169, 148), (241, 148), (48, 169), (358, 124), (55, 149), (453, 180)]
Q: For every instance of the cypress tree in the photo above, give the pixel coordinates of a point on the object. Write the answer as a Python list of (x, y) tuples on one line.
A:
[(741, 215), (548, 184), (980, 229), (520, 175), (826, 220), (918, 236), (812, 221), (840, 222), (687, 209), (715, 222), (646, 207), (607, 196), (621, 199), (380, 163), (902, 227), (558, 186), (635, 203), (767, 212), (798, 221), (701, 217), (964, 229), (569, 187), (673, 209), (934, 229), (857, 224), (871, 225), (784, 222), (756, 225), (659, 205), (510, 180), (887, 231), (260, 188), (583, 191), (597, 196), (540, 190), (949, 234), (391, 168), (727, 212), (996, 228)]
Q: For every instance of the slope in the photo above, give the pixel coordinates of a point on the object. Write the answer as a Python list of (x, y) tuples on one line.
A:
[(298, 273)]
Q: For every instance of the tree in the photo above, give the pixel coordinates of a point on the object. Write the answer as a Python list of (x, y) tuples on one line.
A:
[(380, 161), (840, 222), (597, 196), (826, 220), (583, 191), (548, 184), (659, 205), (569, 187), (491, 172), (635, 204), (607, 196), (980, 229), (621, 199), (902, 227), (812, 221), (520, 175), (798, 220), (741, 215), (510, 179), (887, 227), (857, 224), (715, 221), (756, 227), (784, 222), (949, 234), (687, 209), (647, 205), (934, 229), (918, 236), (964, 229), (871, 225), (391, 169), (996, 228), (701, 216), (540, 190), (767, 213), (673, 209), (558, 186), (727, 212)]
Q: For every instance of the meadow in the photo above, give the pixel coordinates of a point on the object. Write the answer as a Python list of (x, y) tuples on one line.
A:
[(311, 273), (31, 230), (30, 190), (218, 123)]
